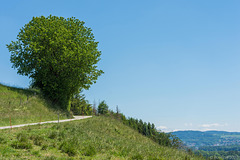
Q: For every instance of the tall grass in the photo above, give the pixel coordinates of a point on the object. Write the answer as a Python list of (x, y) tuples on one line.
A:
[(95, 138), (24, 106)]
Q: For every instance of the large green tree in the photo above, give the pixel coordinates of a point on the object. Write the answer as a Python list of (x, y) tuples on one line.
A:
[(58, 54)]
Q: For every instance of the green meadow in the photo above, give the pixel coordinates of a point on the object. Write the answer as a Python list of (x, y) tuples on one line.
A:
[(100, 137), (25, 106)]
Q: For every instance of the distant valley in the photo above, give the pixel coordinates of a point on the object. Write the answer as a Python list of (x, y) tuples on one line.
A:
[(198, 139), (212, 144)]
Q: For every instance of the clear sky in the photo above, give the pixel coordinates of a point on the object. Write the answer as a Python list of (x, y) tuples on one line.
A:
[(175, 63)]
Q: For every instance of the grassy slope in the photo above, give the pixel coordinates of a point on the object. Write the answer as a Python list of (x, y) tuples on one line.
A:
[(24, 106), (94, 138)]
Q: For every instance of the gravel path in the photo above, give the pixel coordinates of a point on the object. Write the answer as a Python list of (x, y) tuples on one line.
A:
[(60, 121)]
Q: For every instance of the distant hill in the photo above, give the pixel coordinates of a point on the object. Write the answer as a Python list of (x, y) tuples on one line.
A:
[(198, 139), (212, 144)]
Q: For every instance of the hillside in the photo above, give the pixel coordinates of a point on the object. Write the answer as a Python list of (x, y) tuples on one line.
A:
[(95, 138), (24, 106)]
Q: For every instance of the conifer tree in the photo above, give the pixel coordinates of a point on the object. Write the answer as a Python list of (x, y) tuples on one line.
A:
[(102, 108)]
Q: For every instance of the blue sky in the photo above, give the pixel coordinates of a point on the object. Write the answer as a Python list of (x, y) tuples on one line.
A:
[(173, 63)]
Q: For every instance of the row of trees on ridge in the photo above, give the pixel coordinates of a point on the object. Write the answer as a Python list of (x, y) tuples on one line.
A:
[(81, 106)]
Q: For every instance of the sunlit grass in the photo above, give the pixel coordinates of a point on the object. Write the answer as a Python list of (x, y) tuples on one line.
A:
[(94, 138), (24, 106)]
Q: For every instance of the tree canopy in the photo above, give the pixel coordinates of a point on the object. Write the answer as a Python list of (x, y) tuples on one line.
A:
[(58, 54)]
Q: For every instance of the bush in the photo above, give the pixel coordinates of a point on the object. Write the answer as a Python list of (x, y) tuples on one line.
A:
[(37, 140), (50, 158), (89, 151), (52, 135), (2, 140), (44, 147), (36, 153), (137, 157), (154, 158), (21, 145), (68, 148), (61, 136), (21, 137), (21, 142)]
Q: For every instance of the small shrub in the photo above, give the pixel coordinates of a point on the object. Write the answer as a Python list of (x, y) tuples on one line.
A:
[(21, 145), (187, 158), (37, 140), (153, 158), (53, 135), (68, 148), (50, 158), (44, 147), (117, 130), (61, 136), (22, 137), (137, 157), (6, 151), (21, 142), (36, 153), (124, 152), (89, 151), (2, 140)]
